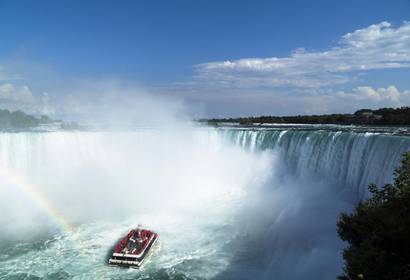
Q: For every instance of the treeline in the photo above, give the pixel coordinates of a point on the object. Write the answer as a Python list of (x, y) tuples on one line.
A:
[(377, 232), (19, 119), (383, 116)]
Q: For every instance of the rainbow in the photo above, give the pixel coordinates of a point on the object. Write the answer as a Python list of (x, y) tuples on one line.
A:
[(38, 197), (53, 212)]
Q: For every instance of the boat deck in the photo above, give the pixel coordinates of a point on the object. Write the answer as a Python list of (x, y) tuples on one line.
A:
[(133, 249)]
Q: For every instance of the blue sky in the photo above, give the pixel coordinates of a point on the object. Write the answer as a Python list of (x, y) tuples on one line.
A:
[(222, 58)]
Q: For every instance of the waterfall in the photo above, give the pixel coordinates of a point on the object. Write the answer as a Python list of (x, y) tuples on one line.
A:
[(227, 203), (352, 159)]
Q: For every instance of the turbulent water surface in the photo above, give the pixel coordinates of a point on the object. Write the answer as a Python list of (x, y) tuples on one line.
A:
[(228, 203)]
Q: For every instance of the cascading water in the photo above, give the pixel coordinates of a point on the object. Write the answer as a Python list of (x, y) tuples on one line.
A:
[(351, 159), (290, 221), (227, 203)]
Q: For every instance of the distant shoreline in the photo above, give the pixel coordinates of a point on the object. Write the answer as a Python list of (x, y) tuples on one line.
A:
[(20, 121), (379, 117)]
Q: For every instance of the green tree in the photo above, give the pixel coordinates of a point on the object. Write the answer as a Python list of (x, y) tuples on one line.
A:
[(378, 231)]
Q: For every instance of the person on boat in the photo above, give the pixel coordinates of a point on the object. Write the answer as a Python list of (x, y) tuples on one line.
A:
[(141, 237), (137, 237)]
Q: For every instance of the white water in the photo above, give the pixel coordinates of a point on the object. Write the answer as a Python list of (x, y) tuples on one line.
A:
[(186, 186), (226, 203), (350, 159)]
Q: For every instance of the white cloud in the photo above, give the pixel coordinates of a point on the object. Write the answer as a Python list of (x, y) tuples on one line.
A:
[(20, 94), (379, 46), (367, 96), (17, 97), (6, 91), (235, 102)]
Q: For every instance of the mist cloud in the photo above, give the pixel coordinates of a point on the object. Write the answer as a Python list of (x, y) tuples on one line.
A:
[(113, 102)]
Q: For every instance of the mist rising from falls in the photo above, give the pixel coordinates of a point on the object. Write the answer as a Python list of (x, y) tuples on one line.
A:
[(186, 185), (227, 203)]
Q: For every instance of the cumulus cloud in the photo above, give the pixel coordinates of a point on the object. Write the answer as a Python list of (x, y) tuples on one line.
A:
[(15, 92), (17, 97), (379, 46), (367, 96), (256, 102), (327, 101)]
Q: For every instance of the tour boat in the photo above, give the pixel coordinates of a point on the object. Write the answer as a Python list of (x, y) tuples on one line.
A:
[(134, 248)]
